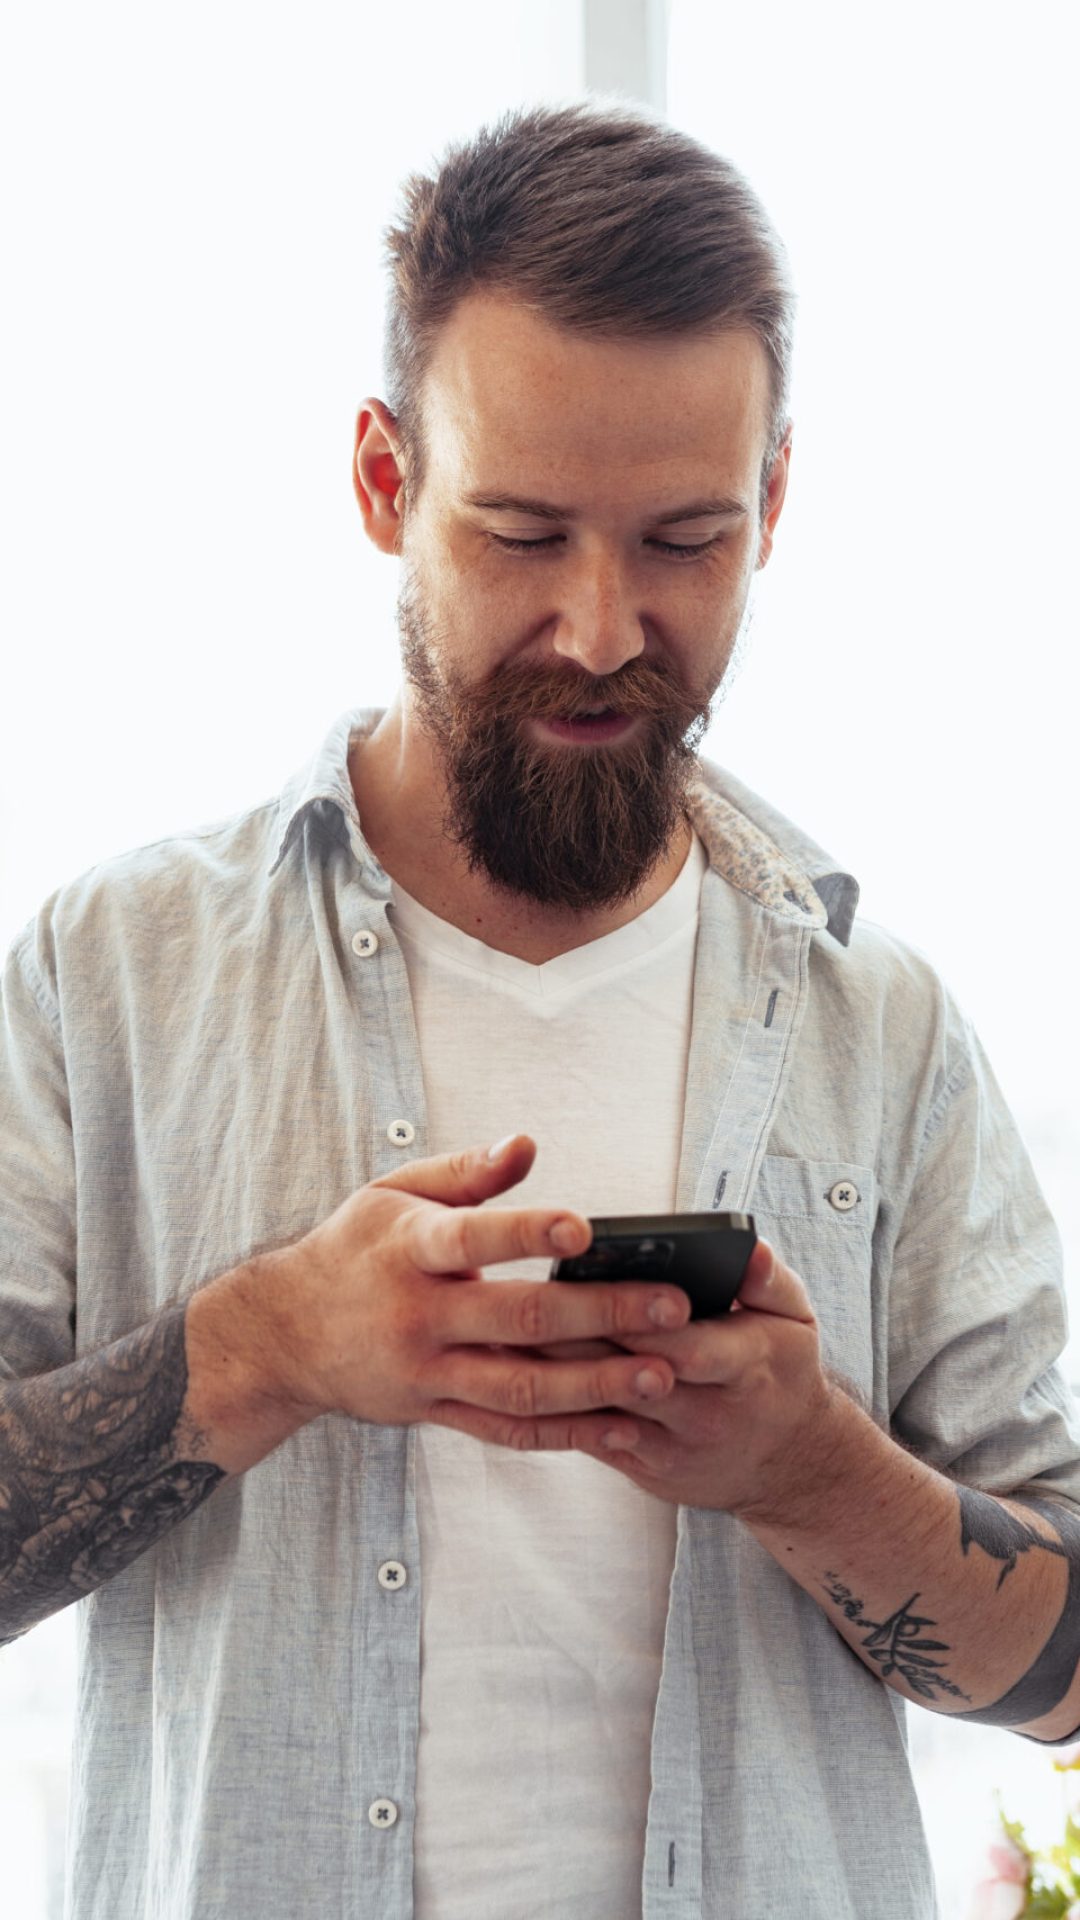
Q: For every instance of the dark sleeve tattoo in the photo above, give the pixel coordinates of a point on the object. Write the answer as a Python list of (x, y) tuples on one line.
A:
[(899, 1644), (94, 1468)]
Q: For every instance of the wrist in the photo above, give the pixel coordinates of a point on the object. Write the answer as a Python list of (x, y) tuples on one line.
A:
[(273, 1290), (815, 1471), (244, 1396)]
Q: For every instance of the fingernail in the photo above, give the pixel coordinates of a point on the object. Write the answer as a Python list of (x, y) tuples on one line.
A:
[(664, 1313), (501, 1146), (649, 1384)]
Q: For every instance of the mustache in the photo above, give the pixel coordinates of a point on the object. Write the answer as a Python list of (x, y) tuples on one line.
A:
[(516, 693)]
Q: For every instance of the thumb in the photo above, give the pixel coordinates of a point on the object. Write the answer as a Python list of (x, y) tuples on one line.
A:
[(768, 1286), (466, 1178)]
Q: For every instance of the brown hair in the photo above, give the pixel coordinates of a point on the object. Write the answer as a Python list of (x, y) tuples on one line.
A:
[(601, 218)]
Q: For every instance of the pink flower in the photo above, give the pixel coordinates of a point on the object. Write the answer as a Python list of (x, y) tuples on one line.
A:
[(1003, 1893), (1008, 1861), (997, 1900)]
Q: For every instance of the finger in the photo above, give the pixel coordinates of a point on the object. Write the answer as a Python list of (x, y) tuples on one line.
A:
[(449, 1240), (590, 1349), (465, 1178), (530, 1389), (563, 1319), (771, 1287)]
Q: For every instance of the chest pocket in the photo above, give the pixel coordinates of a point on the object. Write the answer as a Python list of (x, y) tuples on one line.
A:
[(819, 1216)]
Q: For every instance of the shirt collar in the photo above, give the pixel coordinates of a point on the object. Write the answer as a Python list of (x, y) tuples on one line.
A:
[(755, 847)]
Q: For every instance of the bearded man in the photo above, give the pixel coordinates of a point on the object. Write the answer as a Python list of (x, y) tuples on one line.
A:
[(403, 1589)]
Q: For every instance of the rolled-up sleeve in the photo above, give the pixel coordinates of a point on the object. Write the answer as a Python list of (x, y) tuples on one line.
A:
[(37, 1165), (977, 1308)]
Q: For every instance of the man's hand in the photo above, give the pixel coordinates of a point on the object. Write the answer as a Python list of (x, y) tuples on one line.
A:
[(382, 1311), (749, 1424)]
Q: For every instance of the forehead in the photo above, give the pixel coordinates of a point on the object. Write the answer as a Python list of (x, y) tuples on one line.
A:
[(509, 396)]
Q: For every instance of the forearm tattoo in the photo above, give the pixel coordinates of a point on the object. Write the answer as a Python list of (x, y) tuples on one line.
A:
[(900, 1644), (93, 1469)]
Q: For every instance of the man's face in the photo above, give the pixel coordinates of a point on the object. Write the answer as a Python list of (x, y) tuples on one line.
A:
[(617, 437)]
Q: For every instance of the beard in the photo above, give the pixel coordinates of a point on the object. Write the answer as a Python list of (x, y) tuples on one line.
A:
[(567, 826)]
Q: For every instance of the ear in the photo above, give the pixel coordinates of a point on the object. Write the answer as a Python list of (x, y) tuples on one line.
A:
[(378, 479), (778, 479)]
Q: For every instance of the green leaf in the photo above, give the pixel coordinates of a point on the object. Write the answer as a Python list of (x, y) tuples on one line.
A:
[(1015, 1831), (1063, 1863), (1047, 1904)]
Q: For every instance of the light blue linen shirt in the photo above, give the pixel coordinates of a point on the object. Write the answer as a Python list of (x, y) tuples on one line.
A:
[(196, 1064)]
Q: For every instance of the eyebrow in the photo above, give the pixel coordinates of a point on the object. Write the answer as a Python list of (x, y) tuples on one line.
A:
[(725, 506)]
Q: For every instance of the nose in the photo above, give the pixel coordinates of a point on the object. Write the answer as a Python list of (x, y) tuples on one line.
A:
[(598, 625)]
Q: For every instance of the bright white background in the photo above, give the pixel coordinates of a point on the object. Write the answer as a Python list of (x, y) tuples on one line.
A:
[(192, 232)]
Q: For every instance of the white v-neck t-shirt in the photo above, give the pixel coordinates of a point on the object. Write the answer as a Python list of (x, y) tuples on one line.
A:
[(545, 1576)]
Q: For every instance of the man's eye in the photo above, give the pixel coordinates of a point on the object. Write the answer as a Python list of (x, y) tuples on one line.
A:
[(552, 539)]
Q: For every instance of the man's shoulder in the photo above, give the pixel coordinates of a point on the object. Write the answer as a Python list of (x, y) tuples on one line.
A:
[(161, 890), (875, 951)]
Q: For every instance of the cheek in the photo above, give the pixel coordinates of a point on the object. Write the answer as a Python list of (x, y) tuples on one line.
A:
[(471, 575)]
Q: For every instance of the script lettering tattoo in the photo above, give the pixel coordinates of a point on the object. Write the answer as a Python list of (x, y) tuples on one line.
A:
[(990, 1527), (898, 1644), (93, 1469)]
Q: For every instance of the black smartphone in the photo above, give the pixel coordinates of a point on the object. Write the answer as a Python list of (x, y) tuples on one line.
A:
[(706, 1254)]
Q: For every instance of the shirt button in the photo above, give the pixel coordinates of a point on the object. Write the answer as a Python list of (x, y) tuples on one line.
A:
[(365, 943), (382, 1813), (401, 1132), (843, 1196), (392, 1575)]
